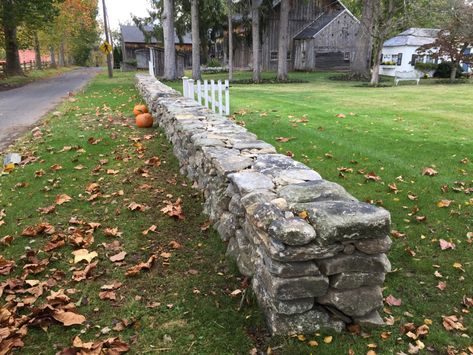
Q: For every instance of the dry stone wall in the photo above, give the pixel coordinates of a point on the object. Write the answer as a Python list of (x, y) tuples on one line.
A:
[(320, 271)]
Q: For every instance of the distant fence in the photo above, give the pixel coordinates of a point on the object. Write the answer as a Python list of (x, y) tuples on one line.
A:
[(214, 95), (26, 66)]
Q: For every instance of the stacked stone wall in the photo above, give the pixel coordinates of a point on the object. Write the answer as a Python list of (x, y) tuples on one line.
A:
[(320, 271)]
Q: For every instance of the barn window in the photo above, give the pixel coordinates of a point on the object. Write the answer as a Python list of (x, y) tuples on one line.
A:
[(288, 55), (273, 56)]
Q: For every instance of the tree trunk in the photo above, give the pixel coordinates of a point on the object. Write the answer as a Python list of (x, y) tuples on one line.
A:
[(62, 55), (230, 41), (453, 73), (255, 28), (376, 64), (283, 40), (195, 40), (13, 66), (53, 57), (37, 51), (169, 45), (360, 67)]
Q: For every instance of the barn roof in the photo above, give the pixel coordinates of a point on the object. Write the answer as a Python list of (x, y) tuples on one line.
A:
[(319, 24), (413, 37), (132, 34)]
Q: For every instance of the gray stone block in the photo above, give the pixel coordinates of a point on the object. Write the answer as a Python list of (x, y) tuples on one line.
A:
[(247, 181), (312, 191), (356, 262), (293, 288), (374, 246), (292, 231), (311, 251), (284, 269), (227, 226), (346, 281), (371, 320), (336, 221), (265, 214), (355, 303)]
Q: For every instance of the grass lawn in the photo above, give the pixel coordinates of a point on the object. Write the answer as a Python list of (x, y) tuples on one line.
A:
[(393, 132), (34, 75), (92, 153)]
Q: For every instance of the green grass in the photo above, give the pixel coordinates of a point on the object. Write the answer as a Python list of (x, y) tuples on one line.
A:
[(394, 132), (34, 75)]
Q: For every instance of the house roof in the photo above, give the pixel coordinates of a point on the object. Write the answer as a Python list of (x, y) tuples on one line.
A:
[(132, 34), (318, 24), (413, 37)]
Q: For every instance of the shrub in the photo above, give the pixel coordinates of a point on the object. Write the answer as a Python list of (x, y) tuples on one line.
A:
[(214, 63), (426, 67), (445, 69)]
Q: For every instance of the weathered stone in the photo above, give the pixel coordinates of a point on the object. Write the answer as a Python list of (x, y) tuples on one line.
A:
[(311, 251), (265, 214), (235, 206), (247, 181), (205, 142), (312, 191), (226, 160), (232, 249), (356, 262), (280, 203), (284, 307), (372, 319), (293, 231), (246, 265), (226, 226), (293, 288), (348, 249), (355, 303), (336, 221), (374, 246), (243, 243), (284, 269), (253, 145), (257, 197), (351, 280)]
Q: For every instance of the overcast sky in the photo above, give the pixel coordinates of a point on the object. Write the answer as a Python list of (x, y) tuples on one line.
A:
[(119, 11)]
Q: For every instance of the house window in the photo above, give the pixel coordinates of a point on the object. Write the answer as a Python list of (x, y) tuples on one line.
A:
[(399, 59), (303, 56), (346, 56), (414, 59), (273, 56), (288, 55)]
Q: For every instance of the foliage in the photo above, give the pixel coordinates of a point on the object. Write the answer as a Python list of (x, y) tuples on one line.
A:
[(444, 70), (214, 63), (426, 67)]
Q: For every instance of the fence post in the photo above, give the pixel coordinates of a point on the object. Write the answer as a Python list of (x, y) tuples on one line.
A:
[(212, 90), (184, 85), (199, 92), (227, 97), (191, 89), (220, 98), (206, 93)]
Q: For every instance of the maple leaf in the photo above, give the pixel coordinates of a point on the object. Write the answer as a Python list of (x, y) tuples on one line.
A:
[(6, 266), (372, 177), (441, 285), (135, 270), (63, 198), (84, 274), (429, 171), (446, 245), (174, 245), (154, 161), (284, 139), (112, 232), (68, 318), (174, 209), (55, 167), (452, 323), (137, 207), (94, 141), (118, 257), (84, 254), (112, 172), (47, 210), (341, 115), (444, 203), (153, 228), (107, 295), (393, 301)]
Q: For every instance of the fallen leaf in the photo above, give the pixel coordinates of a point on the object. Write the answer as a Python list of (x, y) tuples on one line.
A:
[(174, 245), (112, 232), (372, 176), (284, 139), (429, 171), (141, 266), (174, 209), (458, 266), (444, 245), (328, 339), (153, 228), (63, 198), (47, 210), (444, 203), (84, 254), (452, 323), (118, 257), (68, 318), (441, 285), (341, 115), (393, 301)]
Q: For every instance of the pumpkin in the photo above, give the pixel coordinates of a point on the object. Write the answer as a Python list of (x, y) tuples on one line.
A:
[(139, 109), (144, 120)]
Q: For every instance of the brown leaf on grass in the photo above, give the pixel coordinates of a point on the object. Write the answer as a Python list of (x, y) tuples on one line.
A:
[(421, 218), (52, 245), (68, 318), (35, 265), (42, 228), (154, 161), (84, 254), (79, 167), (372, 177), (80, 275), (110, 346), (441, 285), (107, 295), (81, 239), (397, 234), (444, 245), (115, 286), (39, 173), (284, 139), (205, 226), (55, 167), (340, 115), (453, 323), (444, 203), (393, 187), (112, 232), (412, 197), (137, 207), (63, 198), (6, 266), (135, 270), (429, 171), (174, 209), (458, 266), (6, 240), (112, 172), (93, 187), (393, 301), (467, 301), (94, 141), (174, 245), (47, 210), (118, 257), (153, 228)]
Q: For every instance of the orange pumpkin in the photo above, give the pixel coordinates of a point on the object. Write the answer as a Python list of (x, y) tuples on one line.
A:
[(139, 109), (145, 120)]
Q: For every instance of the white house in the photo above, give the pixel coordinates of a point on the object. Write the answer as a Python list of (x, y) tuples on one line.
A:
[(399, 53)]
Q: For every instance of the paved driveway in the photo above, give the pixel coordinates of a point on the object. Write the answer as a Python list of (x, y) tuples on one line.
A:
[(22, 107)]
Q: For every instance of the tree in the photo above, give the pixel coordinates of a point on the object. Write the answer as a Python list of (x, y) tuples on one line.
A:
[(195, 40), (230, 40), (16, 13), (283, 40), (360, 66), (455, 37), (169, 40), (255, 30)]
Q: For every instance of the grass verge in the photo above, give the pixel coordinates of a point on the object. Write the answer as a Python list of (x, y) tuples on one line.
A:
[(20, 80)]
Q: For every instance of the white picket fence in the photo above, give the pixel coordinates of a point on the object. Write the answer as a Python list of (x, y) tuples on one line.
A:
[(211, 94)]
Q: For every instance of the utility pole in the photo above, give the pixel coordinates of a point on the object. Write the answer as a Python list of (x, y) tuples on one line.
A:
[(107, 38)]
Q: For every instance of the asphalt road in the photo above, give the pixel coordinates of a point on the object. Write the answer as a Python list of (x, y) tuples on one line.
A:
[(22, 107)]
